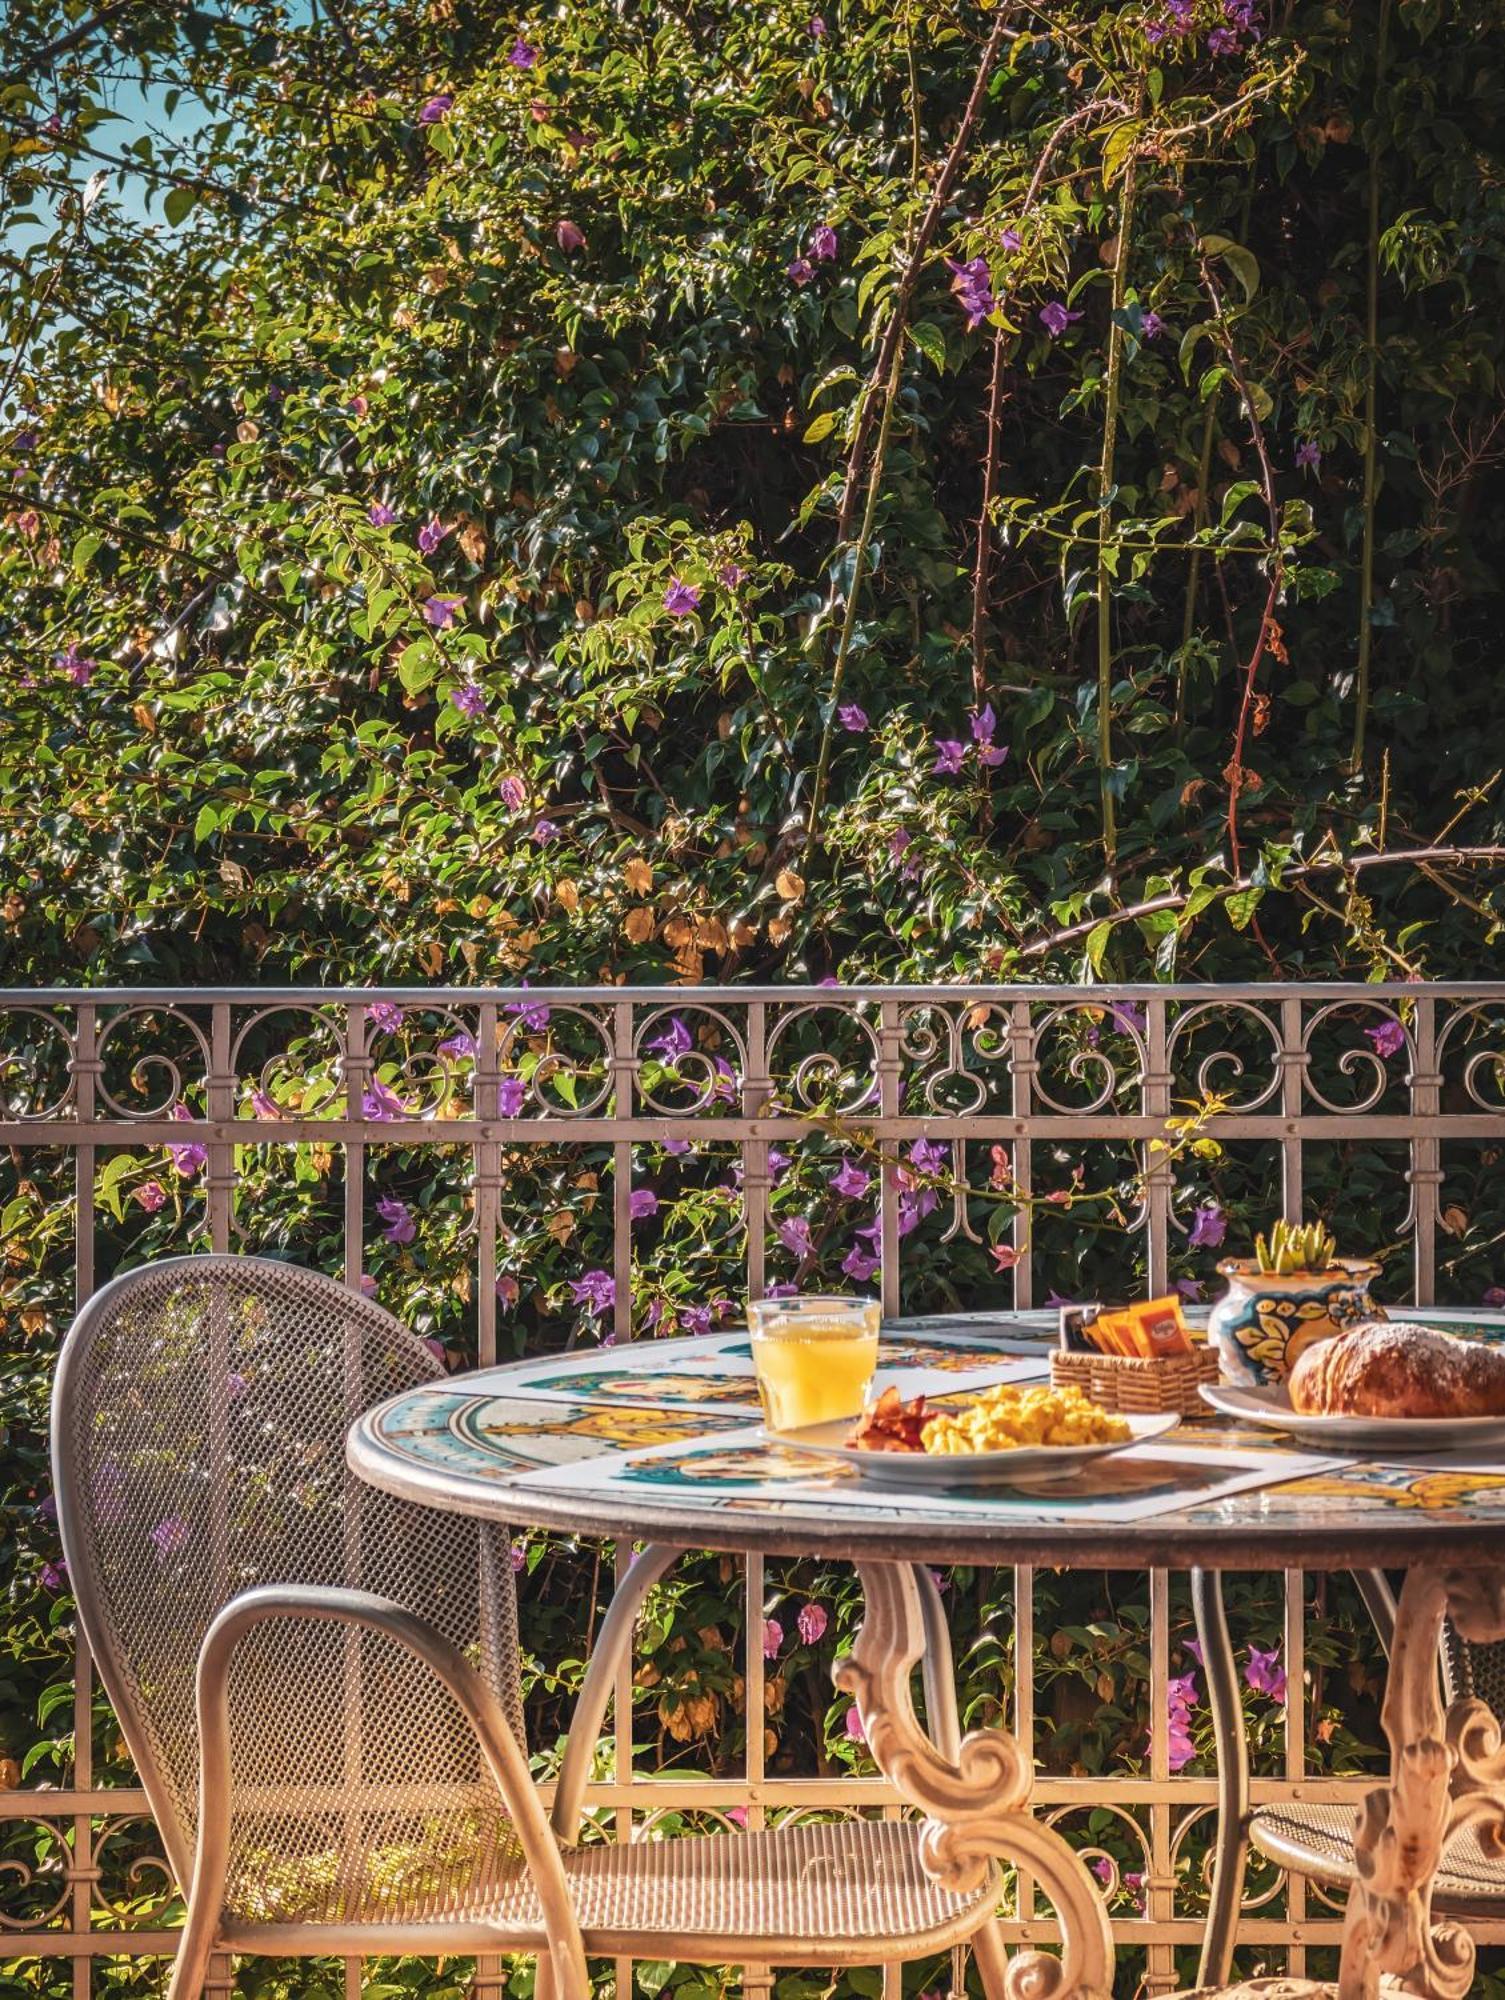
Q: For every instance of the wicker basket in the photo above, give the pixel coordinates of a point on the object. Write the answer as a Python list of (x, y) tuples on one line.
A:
[(1138, 1387)]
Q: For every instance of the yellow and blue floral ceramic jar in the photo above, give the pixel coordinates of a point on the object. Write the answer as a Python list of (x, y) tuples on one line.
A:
[(1266, 1319)]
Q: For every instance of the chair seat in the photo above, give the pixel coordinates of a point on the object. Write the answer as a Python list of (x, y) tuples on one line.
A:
[(1318, 1840), (834, 1893)]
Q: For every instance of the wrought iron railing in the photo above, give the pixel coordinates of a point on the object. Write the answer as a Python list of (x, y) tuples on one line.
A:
[(1381, 1093)]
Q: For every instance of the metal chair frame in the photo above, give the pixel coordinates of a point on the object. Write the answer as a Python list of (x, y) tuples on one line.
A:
[(547, 1841)]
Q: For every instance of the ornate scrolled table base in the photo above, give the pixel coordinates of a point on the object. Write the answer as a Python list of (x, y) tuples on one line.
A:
[(1447, 1772), (976, 1802)]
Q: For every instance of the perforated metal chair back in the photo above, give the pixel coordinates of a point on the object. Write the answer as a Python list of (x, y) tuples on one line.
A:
[(199, 1424), (1474, 1672)]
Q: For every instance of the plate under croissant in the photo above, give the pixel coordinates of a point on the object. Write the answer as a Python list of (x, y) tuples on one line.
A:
[(1270, 1409), (965, 1471)]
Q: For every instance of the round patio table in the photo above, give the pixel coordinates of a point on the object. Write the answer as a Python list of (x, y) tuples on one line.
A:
[(660, 1443)]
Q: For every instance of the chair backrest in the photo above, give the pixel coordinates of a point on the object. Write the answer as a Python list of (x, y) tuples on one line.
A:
[(1473, 1672), (199, 1421)]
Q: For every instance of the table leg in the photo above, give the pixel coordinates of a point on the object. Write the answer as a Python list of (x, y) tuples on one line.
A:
[(976, 1801), (1231, 1849), (1447, 1772)]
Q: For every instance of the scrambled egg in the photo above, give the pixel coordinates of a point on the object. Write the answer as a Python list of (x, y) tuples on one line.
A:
[(1002, 1419)]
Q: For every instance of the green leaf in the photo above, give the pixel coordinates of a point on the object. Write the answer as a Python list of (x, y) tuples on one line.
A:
[(179, 204), (1097, 944), (930, 340), (84, 551), (1241, 262), (822, 426), (204, 825), (1241, 907)]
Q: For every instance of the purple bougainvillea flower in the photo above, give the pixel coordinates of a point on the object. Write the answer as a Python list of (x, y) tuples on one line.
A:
[(816, 28), (778, 1164), (823, 243), (522, 54), (596, 1291), (972, 283), (191, 1158), (545, 831), (859, 1264), (385, 1016), (949, 754), (569, 236), (928, 1156), (984, 722), (672, 1041), (642, 1203), (1389, 1038), (436, 1348), (459, 1047), (441, 611), (401, 1228), (811, 1623), (1308, 455), (1495, 1296), (1055, 318), (511, 1095), (380, 1102), (1265, 1673), (794, 1234), (264, 1105), (151, 1195), (695, 1320), (1189, 1289), (730, 575), (854, 1729), (1181, 1696), (1209, 1225), (469, 700), (367, 1285), (1222, 42), (513, 793), (168, 1536), (1130, 1015), (852, 717), (380, 515), (77, 666), (677, 1148), (799, 270), (430, 535), (851, 1181), (1104, 1870), (54, 1574), (437, 109), (773, 1638), (533, 1014), (681, 599), (1151, 326)]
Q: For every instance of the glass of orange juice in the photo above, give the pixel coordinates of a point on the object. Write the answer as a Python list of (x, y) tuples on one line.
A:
[(814, 1357)]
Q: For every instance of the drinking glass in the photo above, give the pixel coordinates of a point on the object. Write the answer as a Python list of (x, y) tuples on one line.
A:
[(814, 1357)]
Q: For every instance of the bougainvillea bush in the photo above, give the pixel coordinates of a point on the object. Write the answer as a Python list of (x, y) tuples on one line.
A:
[(704, 493)]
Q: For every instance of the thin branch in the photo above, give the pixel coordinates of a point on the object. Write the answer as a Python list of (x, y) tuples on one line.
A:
[(85, 31), (1337, 864)]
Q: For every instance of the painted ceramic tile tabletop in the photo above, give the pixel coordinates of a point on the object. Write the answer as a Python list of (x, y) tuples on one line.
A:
[(664, 1440)]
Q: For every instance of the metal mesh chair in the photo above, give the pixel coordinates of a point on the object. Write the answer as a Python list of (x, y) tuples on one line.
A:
[(1318, 1840), (318, 1682)]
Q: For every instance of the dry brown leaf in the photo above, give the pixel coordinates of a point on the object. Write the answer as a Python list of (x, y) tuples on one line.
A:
[(790, 886), (638, 924), (638, 875)]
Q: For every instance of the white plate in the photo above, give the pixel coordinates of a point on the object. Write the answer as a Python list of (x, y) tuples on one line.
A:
[(965, 1472), (1270, 1407)]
